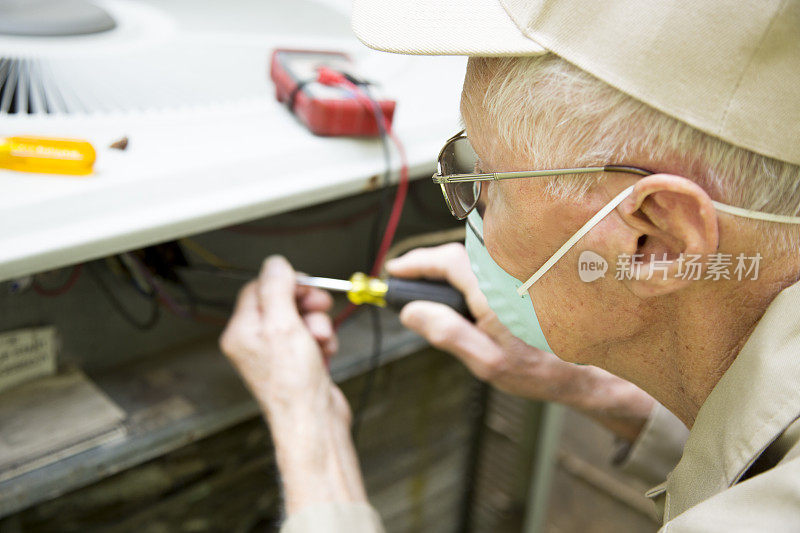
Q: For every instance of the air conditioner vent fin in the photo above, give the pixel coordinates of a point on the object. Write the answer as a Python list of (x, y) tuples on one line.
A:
[(24, 89)]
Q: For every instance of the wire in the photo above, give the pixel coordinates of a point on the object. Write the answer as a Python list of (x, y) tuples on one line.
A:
[(129, 271), (161, 294), (402, 187), (369, 378), (384, 194), (384, 131), (148, 323), (397, 208), (163, 297), (195, 300), (375, 239), (377, 333), (204, 253), (74, 275)]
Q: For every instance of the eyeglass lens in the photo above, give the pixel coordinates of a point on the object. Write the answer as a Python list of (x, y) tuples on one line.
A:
[(459, 158)]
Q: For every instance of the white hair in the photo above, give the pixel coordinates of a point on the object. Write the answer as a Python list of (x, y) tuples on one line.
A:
[(556, 115)]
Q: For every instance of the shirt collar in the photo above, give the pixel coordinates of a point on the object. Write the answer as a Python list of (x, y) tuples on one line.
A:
[(752, 404)]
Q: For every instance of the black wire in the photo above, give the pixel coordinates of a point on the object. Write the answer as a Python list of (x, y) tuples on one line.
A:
[(383, 200), (374, 364), (191, 297), (290, 101), (143, 325), (477, 408), (375, 238)]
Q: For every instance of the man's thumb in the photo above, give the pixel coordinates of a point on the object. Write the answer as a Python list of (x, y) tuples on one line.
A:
[(447, 330), (276, 288)]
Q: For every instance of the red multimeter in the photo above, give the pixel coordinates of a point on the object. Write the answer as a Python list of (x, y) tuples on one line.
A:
[(326, 108)]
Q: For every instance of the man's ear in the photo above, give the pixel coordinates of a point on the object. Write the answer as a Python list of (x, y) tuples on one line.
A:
[(674, 227)]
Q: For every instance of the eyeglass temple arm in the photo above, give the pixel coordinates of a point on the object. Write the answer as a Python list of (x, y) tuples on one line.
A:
[(496, 176), (562, 171)]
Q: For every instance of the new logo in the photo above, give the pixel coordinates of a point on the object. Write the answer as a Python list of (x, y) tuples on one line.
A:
[(591, 266)]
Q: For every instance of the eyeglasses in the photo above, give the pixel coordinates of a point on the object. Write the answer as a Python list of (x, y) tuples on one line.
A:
[(461, 186)]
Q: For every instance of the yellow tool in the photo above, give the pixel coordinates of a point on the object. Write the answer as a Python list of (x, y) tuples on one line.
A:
[(364, 289), (394, 292), (48, 155), (360, 288)]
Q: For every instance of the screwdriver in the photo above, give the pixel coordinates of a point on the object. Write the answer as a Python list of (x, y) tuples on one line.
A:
[(363, 289), (48, 155), (391, 292)]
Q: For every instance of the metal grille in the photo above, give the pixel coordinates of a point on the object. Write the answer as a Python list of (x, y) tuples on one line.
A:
[(25, 89)]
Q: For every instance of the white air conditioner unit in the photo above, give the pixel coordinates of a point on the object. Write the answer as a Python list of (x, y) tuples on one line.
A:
[(77, 57), (187, 82)]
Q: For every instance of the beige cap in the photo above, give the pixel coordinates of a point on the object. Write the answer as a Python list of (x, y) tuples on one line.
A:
[(730, 68)]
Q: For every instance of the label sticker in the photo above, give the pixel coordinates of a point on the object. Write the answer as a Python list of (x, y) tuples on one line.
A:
[(26, 354)]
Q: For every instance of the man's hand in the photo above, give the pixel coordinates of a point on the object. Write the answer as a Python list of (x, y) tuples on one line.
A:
[(493, 354), (278, 339)]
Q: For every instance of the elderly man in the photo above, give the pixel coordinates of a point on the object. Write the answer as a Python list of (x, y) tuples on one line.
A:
[(660, 139)]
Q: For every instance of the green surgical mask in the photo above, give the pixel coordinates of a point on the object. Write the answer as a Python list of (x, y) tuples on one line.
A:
[(514, 312)]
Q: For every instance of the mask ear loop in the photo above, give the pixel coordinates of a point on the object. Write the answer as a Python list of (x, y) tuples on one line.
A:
[(756, 215), (600, 215), (475, 231), (725, 208)]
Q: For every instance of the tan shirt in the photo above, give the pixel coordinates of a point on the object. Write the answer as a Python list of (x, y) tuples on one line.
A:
[(750, 415), (345, 517), (750, 419), (657, 449)]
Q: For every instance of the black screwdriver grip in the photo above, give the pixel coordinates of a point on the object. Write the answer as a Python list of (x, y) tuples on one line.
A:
[(402, 291)]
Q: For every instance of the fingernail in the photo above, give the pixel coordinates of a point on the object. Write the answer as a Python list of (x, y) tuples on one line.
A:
[(276, 264)]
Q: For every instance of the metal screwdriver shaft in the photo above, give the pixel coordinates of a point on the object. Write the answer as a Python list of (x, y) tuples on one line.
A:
[(330, 284)]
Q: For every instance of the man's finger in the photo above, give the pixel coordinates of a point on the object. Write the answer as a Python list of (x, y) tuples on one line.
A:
[(320, 326), (448, 262), (330, 348), (276, 290), (310, 299), (246, 317), (247, 306), (451, 332), (436, 262)]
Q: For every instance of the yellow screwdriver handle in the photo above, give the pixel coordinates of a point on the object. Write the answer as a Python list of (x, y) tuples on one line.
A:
[(48, 155), (367, 290)]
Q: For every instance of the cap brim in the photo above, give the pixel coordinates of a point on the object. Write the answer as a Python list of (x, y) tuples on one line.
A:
[(440, 27)]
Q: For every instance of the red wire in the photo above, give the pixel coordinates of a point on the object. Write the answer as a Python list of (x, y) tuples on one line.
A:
[(402, 186), (64, 288), (397, 207), (345, 313)]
